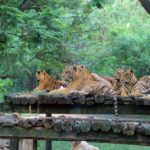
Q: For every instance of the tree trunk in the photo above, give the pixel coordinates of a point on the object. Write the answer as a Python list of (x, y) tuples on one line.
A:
[(146, 5)]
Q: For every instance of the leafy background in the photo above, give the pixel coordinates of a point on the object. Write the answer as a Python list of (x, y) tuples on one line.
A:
[(101, 34), (49, 34)]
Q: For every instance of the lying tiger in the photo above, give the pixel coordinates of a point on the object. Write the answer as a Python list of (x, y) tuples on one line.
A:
[(116, 80), (98, 77), (118, 76), (81, 81), (130, 85), (46, 82)]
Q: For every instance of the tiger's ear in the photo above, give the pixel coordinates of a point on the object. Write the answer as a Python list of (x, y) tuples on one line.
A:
[(74, 67), (82, 66), (130, 70), (38, 71), (44, 72)]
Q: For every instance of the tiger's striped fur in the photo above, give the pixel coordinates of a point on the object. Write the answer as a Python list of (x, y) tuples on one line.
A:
[(109, 79), (129, 83), (46, 82), (81, 81), (118, 76), (142, 87)]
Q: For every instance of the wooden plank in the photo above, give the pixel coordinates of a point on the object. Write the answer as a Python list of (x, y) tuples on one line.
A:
[(133, 130), (45, 98), (75, 104), (25, 144), (68, 124), (14, 144), (76, 109), (96, 136)]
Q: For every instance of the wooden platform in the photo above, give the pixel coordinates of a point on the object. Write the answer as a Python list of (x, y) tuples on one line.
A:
[(74, 104), (67, 129), (132, 126)]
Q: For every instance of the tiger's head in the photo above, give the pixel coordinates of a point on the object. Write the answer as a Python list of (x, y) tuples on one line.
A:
[(129, 77), (118, 76), (73, 72), (42, 75)]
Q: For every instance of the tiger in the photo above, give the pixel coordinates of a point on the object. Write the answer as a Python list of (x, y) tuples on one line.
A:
[(82, 145), (142, 87), (118, 81), (46, 82), (109, 79), (81, 81), (129, 83)]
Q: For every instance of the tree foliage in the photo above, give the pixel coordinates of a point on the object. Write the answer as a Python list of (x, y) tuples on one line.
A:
[(49, 34)]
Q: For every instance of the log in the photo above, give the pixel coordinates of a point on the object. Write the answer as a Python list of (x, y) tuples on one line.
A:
[(99, 99), (105, 125), (96, 125), (129, 128), (117, 127), (68, 125), (146, 128), (46, 98), (8, 120), (40, 122), (76, 126), (85, 126), (109, 100), (49, 123), (90, 101), (78, 98), (58, 125)]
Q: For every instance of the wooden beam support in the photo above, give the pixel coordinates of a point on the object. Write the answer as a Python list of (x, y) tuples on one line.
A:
[(103, 129), (48, 143), (45, 134), (76, 109)]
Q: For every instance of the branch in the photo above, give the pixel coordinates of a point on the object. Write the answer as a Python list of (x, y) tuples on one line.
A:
[(7, 76)]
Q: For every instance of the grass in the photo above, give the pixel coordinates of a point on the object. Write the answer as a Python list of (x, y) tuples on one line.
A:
[(59, 145)]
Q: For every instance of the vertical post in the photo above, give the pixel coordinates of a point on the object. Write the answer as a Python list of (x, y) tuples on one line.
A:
[(48, 145), (14, 144), (27, 144), (34, 144)]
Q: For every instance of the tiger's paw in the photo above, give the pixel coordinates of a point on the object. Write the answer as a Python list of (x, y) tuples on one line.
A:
[(135, 94)]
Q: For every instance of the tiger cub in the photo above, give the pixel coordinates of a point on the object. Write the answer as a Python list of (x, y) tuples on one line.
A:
[(142, 87), (46, 82), (129, 83), (118, 76)]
